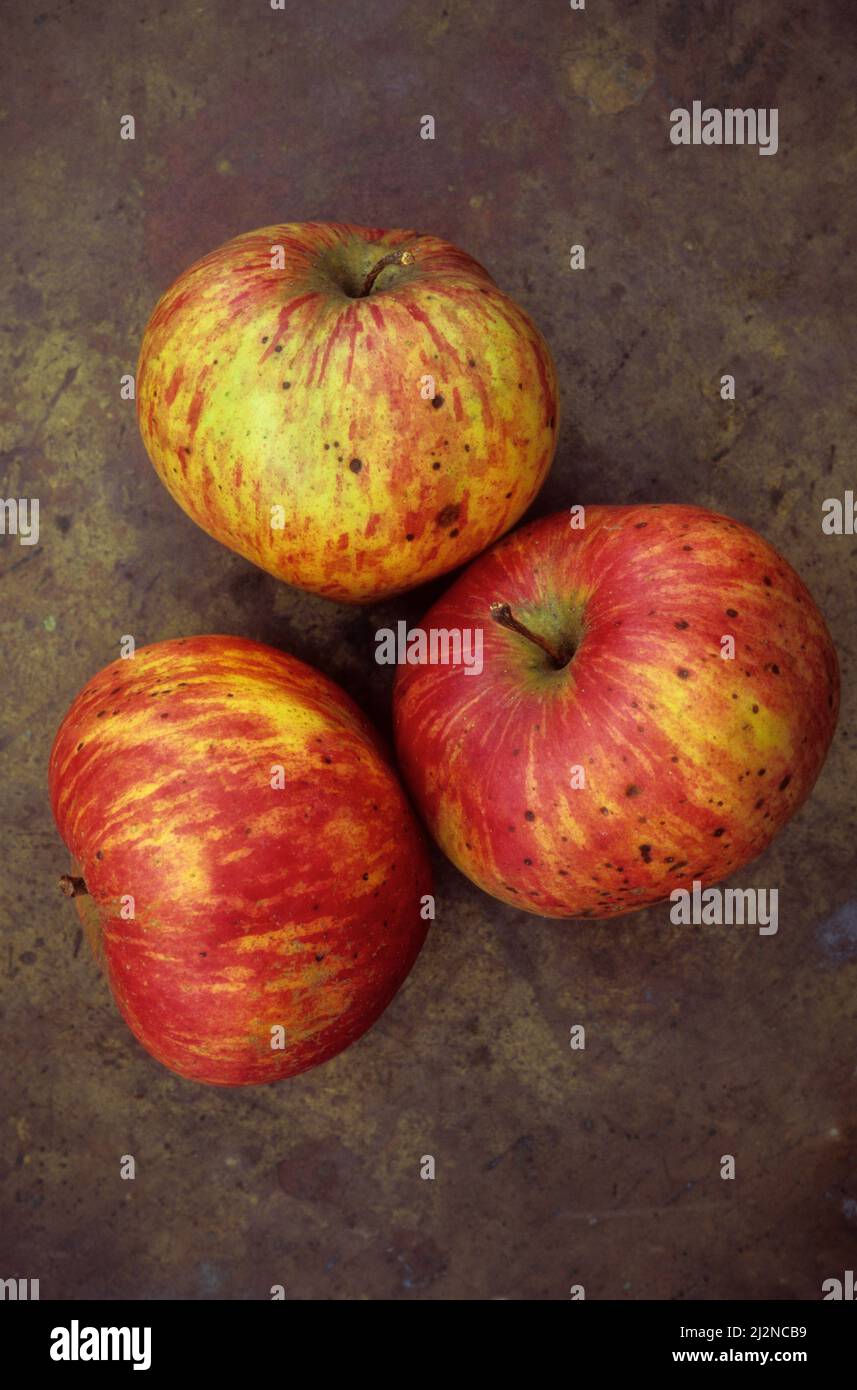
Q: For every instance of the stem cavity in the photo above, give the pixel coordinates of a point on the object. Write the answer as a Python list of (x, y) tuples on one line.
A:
[(392, 258), (72, 887), (502, 614)]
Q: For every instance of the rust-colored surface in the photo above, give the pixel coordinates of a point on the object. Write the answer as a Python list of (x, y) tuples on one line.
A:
[(554, 1166)]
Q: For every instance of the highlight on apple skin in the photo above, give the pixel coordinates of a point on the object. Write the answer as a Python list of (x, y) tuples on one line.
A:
[(615, 752), (354, 410), (243, 806)]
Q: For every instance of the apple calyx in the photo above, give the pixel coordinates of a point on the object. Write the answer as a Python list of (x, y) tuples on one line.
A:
[(502, 614), (71, 886), (392, 258)]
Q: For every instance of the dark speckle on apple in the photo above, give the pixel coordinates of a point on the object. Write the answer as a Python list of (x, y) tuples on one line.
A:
[(447, 515)]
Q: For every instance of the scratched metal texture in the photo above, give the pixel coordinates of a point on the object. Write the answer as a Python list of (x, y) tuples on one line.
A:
[(554, 1167)]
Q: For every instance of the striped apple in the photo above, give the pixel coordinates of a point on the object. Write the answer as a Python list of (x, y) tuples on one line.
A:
[(617, 744), (354, 410), (245, 862)]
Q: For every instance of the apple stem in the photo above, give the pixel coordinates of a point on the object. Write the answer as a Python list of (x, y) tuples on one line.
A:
[(72, 886), (392, 258), (502, 614)]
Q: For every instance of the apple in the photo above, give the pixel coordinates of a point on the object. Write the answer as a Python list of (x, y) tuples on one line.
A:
[(354, 410), (617, 744), (244, 859)]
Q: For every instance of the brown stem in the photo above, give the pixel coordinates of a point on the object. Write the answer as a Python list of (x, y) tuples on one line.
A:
[(502, 614), (72, 887), (392, 258)]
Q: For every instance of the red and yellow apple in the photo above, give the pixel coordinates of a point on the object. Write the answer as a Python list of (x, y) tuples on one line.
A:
[(354, 410), (657, 696), (245, 862)]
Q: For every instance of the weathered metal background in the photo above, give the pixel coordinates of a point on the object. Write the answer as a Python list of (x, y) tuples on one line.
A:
[(553, 1167)]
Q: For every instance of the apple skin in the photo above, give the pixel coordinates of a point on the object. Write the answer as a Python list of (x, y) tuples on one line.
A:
[(692, 763), (253, 906), (259, 388)]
